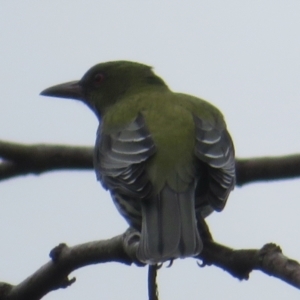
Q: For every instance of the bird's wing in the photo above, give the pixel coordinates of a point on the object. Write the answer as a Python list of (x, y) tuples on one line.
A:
[(119, 161), (215, 148)]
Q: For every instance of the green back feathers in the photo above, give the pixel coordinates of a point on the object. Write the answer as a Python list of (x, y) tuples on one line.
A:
[(169, 119)]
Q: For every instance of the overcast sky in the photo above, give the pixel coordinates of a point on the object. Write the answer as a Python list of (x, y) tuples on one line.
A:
[(242, 56)]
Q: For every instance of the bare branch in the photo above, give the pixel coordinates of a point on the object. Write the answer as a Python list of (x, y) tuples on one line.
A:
[(239, 263), (19, 159), (267, 168), (54, 274)]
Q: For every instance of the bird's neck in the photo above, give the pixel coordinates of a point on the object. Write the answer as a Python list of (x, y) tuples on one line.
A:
[(128, 93)]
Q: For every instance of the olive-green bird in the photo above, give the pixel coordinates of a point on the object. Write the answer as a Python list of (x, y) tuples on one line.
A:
[(166, 158)]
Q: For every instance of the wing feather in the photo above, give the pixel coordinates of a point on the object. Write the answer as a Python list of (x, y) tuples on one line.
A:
[(214, 147), (119, 161)]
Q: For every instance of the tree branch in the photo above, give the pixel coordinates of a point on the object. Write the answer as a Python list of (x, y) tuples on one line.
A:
[(54, 274), (19, 159), (240, 263), (267, 168)]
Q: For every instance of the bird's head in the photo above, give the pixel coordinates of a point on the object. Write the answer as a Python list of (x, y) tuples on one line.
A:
[(106, 83)]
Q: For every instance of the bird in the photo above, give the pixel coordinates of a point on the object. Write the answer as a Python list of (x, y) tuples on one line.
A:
[(167, 158)]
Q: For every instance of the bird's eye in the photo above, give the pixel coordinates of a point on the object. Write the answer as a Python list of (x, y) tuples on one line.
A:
[(98, 78)]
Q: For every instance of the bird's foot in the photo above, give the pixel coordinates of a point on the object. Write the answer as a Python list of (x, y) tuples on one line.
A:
[(131, 240)]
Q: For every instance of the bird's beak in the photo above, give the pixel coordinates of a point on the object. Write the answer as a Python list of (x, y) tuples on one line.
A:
[(71, 90)]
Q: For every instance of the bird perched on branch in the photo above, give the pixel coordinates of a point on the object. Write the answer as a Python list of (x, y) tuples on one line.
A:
[(166, 158)]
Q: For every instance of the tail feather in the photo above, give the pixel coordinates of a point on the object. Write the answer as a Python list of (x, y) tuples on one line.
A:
[(191, 243), (169, 227)]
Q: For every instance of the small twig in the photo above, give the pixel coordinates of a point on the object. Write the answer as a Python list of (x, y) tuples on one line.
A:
[(152, 285)]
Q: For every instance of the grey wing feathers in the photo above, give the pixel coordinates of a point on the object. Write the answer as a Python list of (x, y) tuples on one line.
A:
[(214, 147), (119, 163)]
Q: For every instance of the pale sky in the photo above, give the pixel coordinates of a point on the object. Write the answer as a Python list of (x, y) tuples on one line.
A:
[(242, 56)]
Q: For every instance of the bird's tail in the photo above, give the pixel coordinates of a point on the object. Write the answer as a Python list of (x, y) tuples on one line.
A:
[(169, 227)]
